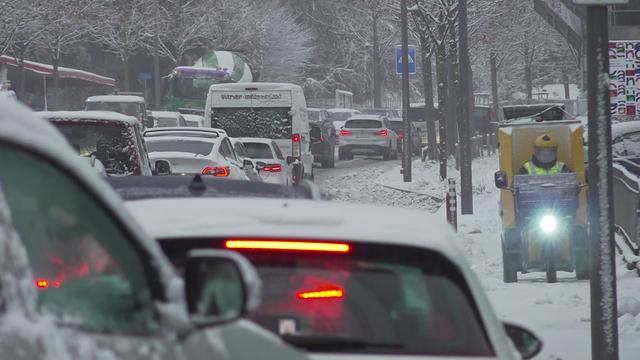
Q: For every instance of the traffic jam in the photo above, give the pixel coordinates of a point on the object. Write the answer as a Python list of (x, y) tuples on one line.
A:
[(224, 202)]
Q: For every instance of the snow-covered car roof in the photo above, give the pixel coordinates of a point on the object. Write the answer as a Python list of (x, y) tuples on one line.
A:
[(365, 117), (260, 86), (622, 128), (336, 110), (314, 109), (184, 132), (116, 98), (20, 126), (255, 140), (193, 117), (88, 115), (209, 140), (166, 114), (292, 219)]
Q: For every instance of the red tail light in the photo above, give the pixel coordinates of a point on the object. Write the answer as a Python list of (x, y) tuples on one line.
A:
[(295, 142), (328, 293), (322, 138), (272, 168), (383, 133), (344, 132), (42, 283), (217, 171), (401, 135)]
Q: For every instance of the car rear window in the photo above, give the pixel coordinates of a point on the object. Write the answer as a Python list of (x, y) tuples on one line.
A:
[(258, 150), (384, 299), (113, 143), (185, 146), (363, 124)]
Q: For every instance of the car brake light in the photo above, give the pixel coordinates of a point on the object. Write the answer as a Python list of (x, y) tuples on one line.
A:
[(295, 142), (344, 132), (272, 168), (331, 293), (217, 171), (383, 133), (322, 138), (286, 245), (42, 283)]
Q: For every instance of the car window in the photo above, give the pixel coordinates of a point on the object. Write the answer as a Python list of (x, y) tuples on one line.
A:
[(142, 148), (166, 122), (191, 146), (363, 124), (630, 144), (86, 269), (257, 150), (109, 141), (240, 150), (226, 149), (181, 121), (277, 150), (410, 297)]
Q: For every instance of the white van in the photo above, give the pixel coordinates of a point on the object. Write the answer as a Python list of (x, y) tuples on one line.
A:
[(265, 110)]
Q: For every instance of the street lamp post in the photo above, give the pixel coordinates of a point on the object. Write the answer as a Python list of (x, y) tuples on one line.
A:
[(406, 141)]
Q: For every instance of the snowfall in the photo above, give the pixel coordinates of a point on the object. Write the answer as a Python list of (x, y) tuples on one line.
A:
[(558, 313)]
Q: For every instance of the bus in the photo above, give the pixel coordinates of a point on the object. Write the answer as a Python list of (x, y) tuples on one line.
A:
[(186, 88)]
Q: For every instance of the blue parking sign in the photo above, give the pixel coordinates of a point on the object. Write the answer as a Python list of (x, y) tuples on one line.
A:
[(412, 60)]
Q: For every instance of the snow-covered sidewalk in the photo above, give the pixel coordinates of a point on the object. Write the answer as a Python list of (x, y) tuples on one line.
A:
[(559, 313)]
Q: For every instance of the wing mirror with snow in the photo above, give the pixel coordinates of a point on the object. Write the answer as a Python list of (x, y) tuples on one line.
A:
[(525, 341)]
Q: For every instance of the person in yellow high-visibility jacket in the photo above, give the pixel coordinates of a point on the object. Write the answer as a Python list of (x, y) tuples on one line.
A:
[(545, 158)]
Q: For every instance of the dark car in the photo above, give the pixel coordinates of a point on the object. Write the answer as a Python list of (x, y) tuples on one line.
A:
[(397, 125), (114, 139), (323, 143)]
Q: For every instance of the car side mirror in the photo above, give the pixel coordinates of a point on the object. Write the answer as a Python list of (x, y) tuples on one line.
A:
[(525, 341), (247, 164), (221, 286), (290, 160), (162, 168), (500, 178), (315, 134), (260, 165), (149, 121)]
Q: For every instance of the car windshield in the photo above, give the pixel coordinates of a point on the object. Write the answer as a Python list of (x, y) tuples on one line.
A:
[(377, 299), (270, 123), (314, 115), (166, 122), (258, 150), (363, 124), (113, 143), (340, 116), (126, 108), (185, 146)]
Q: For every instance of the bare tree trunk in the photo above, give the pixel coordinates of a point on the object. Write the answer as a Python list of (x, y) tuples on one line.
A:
[(528, 80), (452, 94), (429, 110), (441, 69), (494, 87), (377, 85), (127, 83), (565, 81)]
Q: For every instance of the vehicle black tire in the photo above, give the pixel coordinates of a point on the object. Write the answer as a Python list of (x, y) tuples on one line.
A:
[(550, 263), (327, 159), (509, 268), (582, 264), (342, 154), (394, 155), (386, 153), (332, 157)]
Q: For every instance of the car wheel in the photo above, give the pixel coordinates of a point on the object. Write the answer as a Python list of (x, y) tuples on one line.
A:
[(342, 154), (510, 256), (386, 153), (326, 158), (332, 157)]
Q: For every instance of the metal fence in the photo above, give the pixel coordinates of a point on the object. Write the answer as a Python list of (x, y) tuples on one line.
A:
[(482, 145), (626, 200)]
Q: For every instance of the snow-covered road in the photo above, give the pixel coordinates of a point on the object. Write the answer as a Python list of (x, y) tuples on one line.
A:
[(559, 313)]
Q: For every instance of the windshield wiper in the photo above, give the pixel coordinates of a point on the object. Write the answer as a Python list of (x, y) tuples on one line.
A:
[(322, 343)]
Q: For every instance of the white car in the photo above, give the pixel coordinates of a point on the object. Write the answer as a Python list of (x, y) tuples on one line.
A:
[(339, 116), (82, 280), (168, 119), (367, 134), (269, 160), (378, 283), (191, 151), (192, 120)]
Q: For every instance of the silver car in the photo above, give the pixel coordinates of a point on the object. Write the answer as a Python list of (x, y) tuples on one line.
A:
[(80, 279), (367, 134)]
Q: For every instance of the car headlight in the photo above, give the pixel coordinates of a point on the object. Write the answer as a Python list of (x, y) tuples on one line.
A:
[(548, 224)]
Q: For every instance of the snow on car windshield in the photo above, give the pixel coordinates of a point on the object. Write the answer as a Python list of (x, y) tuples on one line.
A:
[(270, 123), (110, 142), (126, 108), (186, 146)]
